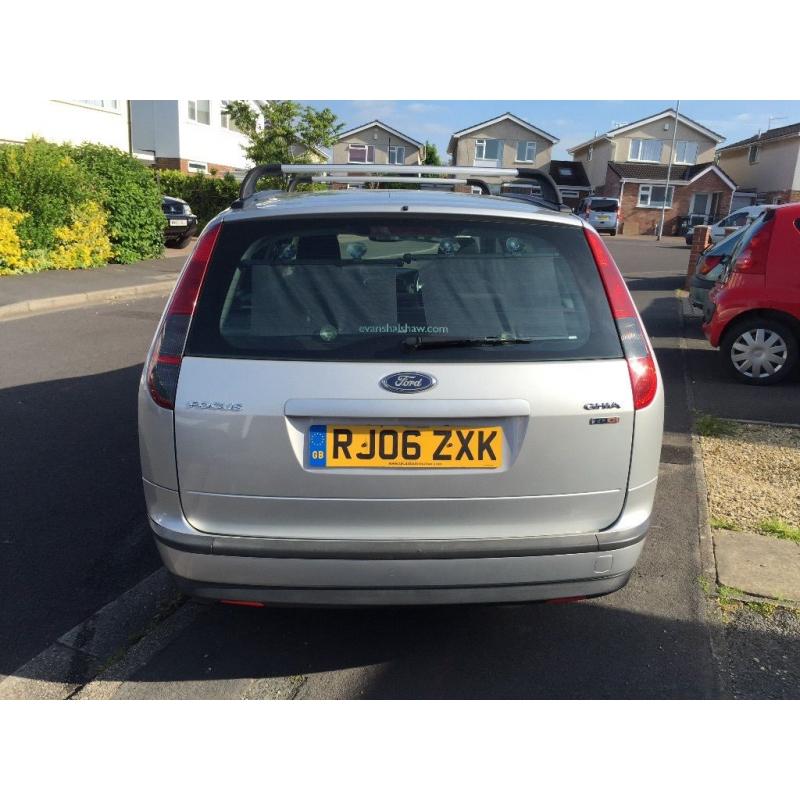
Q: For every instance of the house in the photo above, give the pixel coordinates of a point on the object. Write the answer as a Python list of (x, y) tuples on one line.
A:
[(188, 135), (504, 141), (632, 161), (376, 142), (77, 121), (767, 165)]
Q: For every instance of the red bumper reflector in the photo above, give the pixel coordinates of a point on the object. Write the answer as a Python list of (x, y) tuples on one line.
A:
[(248, 603), (557, 601)]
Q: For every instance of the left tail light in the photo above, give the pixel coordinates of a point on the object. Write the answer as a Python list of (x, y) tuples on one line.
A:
[(165, 362), (752, 257), (635, 346)]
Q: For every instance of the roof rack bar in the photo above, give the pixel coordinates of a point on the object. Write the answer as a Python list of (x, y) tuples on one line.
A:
[(396, 169), (261, 171), (342, 173), (385, 179)]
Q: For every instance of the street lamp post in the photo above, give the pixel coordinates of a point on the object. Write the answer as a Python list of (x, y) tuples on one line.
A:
[(669, 173)]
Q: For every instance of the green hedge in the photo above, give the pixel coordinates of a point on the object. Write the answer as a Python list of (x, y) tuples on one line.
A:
[(206, 195), (42, 180), (80, 206), (129, 196)]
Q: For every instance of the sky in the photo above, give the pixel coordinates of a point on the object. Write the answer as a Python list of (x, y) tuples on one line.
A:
[(570, 121)]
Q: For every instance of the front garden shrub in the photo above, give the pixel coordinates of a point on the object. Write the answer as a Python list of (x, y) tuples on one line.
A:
[(42, 180), (130, 197), (12, 258), (84, 243)]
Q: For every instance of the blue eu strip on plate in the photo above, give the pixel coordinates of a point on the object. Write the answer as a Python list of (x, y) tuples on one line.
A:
[(317, 440)]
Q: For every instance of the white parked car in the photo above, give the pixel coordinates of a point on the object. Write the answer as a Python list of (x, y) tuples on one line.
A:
[(738, 219)]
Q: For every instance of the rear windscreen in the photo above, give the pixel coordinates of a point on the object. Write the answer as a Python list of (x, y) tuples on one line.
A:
[(399, 288), (604, 205)]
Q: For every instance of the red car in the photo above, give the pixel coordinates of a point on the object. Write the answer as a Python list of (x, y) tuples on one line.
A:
[(753, 315)]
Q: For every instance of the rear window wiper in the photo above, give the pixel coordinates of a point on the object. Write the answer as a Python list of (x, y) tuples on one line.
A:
[(418, 343)]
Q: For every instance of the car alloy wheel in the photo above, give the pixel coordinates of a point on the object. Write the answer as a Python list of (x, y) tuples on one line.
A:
[(759, 353)]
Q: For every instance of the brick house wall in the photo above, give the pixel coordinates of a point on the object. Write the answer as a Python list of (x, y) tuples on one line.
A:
[(787, 196), (646, 220), (182, 164)]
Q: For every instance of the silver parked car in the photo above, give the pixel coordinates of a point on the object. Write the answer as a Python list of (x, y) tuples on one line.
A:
[(399, 396), (602, 213)]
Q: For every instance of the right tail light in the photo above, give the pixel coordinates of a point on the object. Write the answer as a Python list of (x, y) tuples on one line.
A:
[(635, 345), (708, 263)]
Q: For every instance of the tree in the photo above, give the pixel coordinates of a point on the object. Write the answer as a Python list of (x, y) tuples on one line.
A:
[(432, 158), (283, 131)]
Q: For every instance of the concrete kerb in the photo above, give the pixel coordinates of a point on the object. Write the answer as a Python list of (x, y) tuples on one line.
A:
[(95, 644), (45, 305), (708, 564)]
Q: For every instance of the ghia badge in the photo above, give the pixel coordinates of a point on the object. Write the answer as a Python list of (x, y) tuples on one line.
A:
[(214, 405), (408, 382), (600, 406)]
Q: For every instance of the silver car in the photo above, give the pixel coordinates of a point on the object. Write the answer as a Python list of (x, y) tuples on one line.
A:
[(602, 213), (399, 396)]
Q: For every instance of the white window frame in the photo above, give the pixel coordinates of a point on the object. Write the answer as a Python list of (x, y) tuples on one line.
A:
[(98, 105), (397, 148), (685, 143), (529, 145), (753, 152), (591, 152), (197, 166), (481, 144), (194, 118), (705, 210), (225, 120), (647, 189), (640, 148), (366, 148)]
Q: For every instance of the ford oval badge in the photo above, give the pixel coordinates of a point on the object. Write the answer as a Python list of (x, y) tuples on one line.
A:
[(407, 382)]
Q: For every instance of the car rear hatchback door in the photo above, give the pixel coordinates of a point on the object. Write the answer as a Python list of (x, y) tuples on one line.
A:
[(403, 376)]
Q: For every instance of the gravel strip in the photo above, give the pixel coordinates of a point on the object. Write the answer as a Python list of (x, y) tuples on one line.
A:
[(753, 475)]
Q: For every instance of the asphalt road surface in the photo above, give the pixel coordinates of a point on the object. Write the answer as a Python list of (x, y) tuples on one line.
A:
[(75, 536)]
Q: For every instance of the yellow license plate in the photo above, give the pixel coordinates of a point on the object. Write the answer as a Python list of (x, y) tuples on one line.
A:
[(389, 446)]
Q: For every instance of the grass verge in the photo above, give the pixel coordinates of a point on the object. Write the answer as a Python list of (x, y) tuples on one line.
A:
[(709, 425), (780, 529)]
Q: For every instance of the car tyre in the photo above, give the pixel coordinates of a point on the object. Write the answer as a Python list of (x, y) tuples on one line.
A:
[(760, 351)]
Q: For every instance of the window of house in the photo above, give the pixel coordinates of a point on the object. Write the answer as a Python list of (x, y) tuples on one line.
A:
[(753, 154), (361, 154), (645, 150), (110, 105), (526, 152), (225, 119), (591, 152), (197, 166), (653, 196), (488, 149), (397, 154), (686, 152), (200, 111)]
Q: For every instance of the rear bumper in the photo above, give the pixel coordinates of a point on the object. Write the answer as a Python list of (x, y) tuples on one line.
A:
[(175, 233), (309, 571)]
